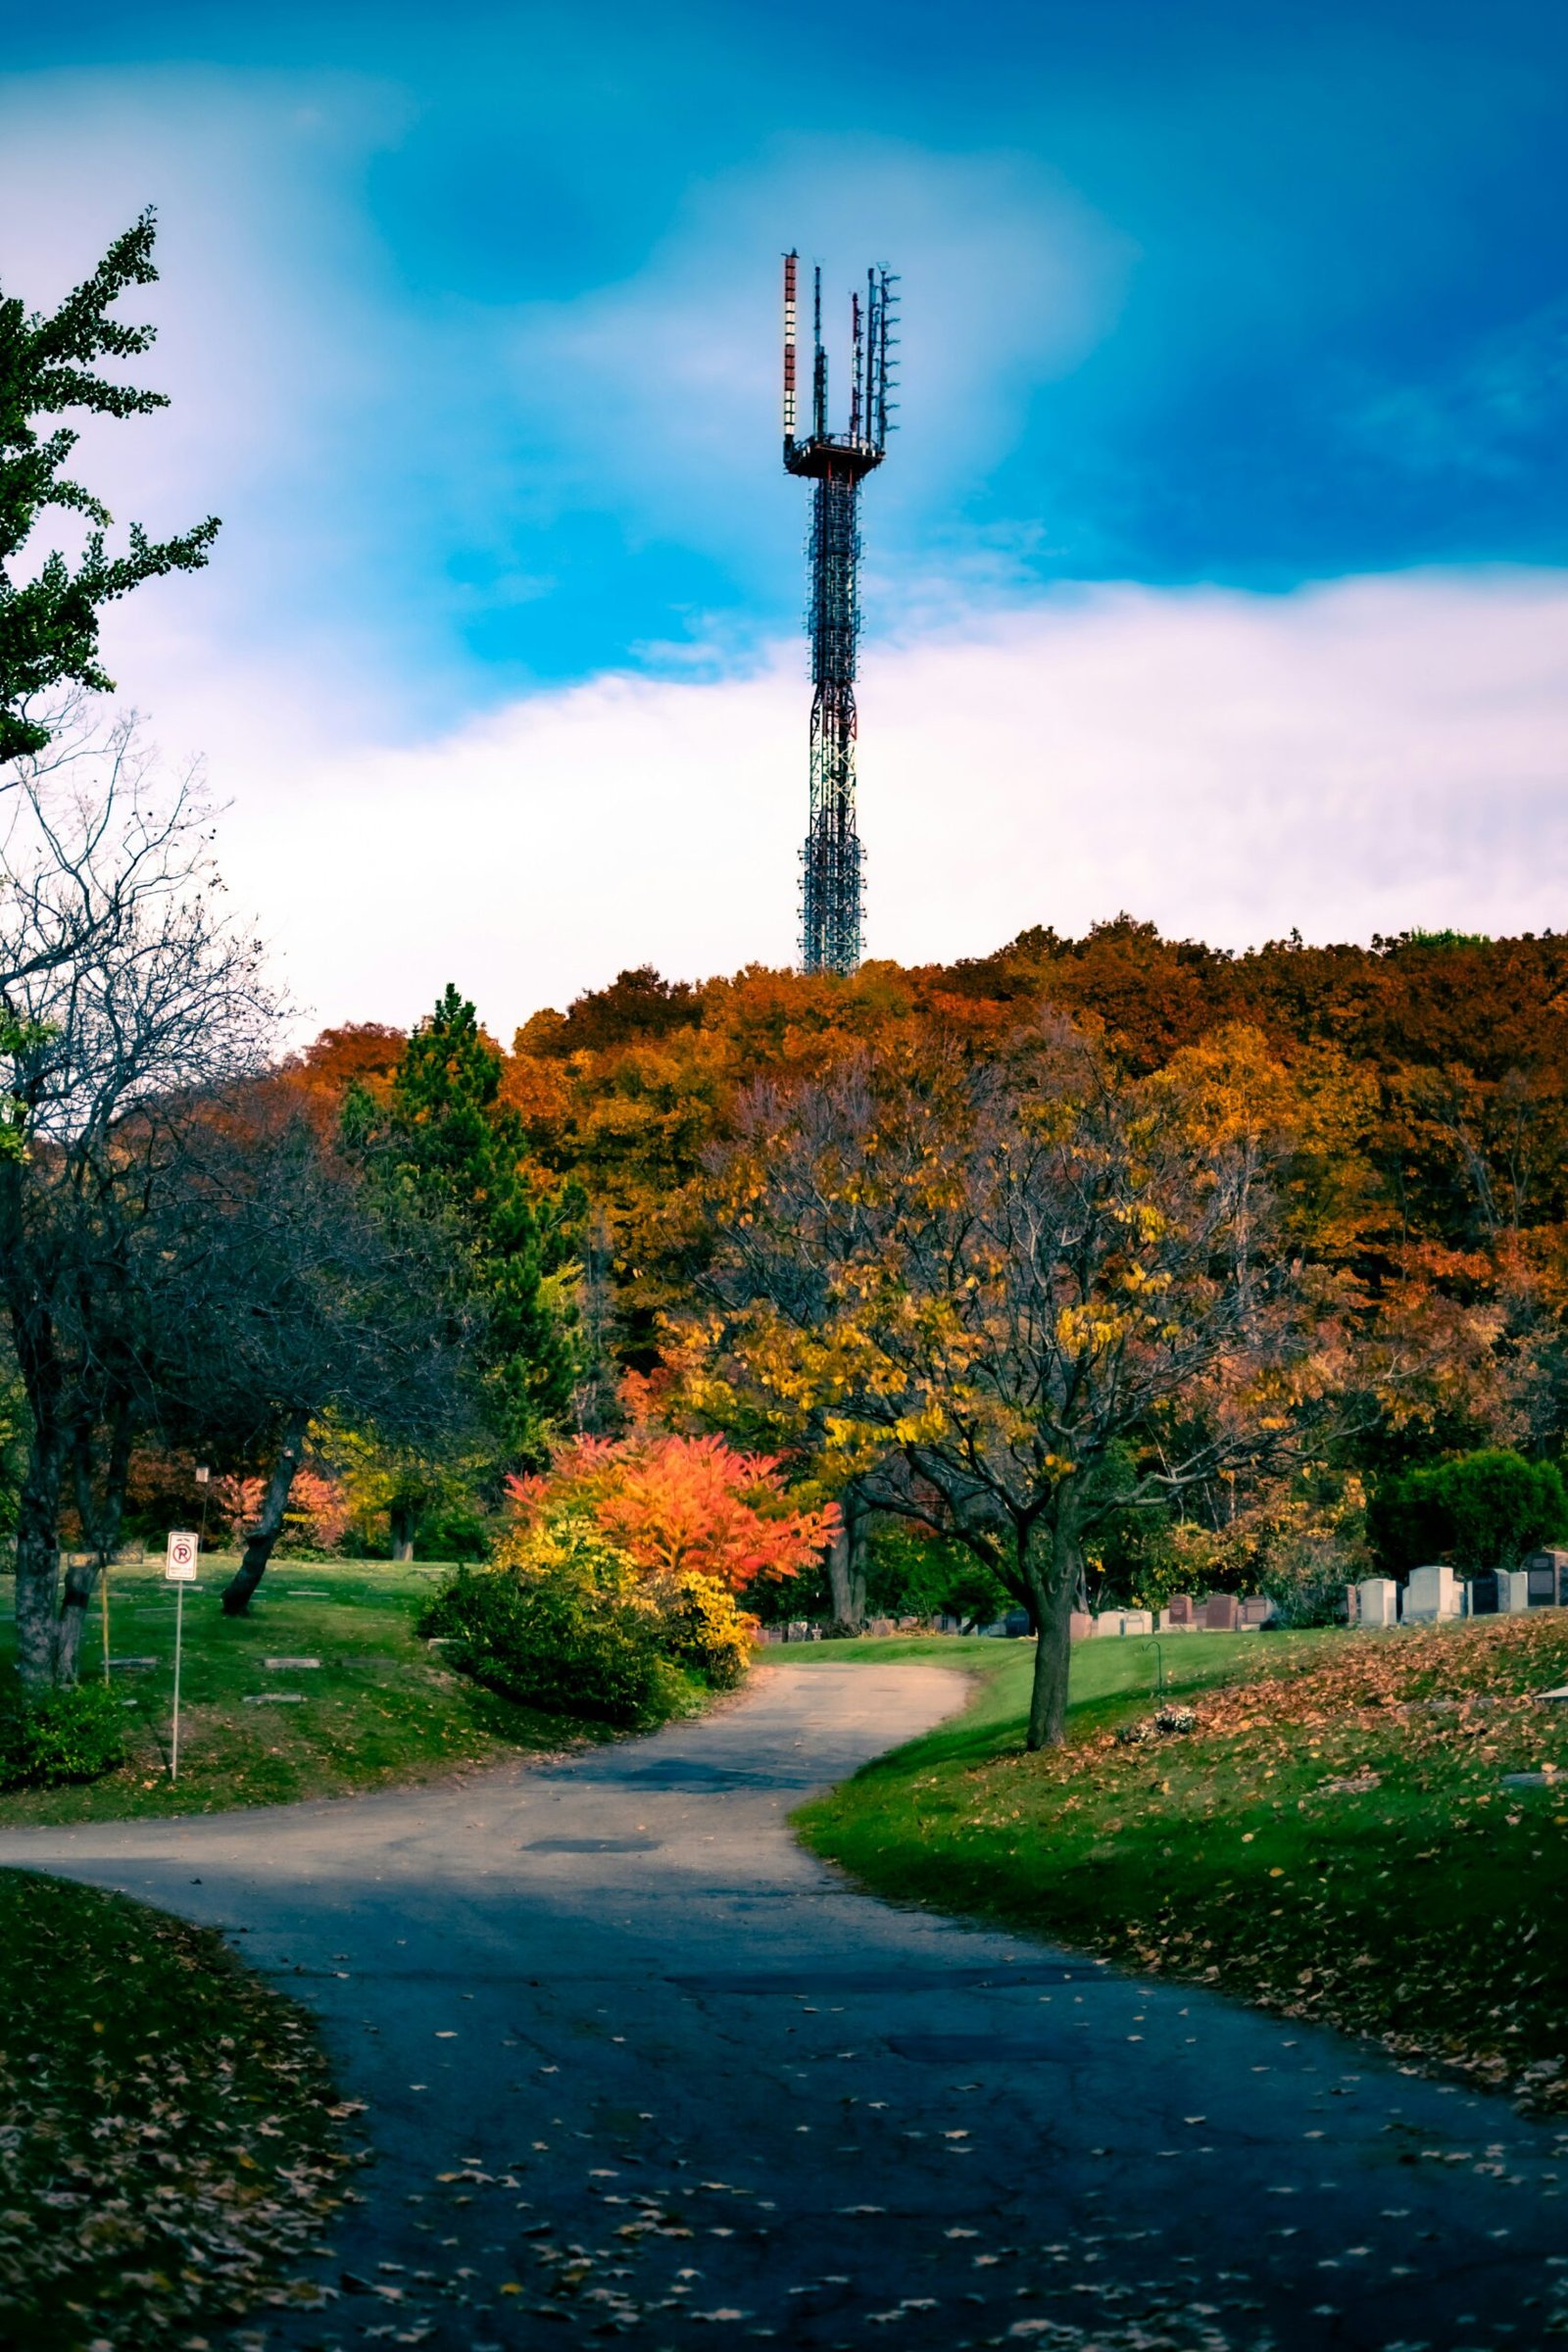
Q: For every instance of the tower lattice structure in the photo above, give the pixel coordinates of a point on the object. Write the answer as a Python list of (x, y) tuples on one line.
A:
[(836, 464)]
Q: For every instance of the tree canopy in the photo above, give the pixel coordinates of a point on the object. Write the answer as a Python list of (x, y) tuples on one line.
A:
[(444, 1136), (49, 610)]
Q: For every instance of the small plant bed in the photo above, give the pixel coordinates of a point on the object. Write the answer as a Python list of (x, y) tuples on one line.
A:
[(173, 2144), (381, 1708), (1367, 1831)]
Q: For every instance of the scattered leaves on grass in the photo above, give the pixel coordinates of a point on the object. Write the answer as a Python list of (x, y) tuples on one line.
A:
[(1332, 1839), (170, 2150)]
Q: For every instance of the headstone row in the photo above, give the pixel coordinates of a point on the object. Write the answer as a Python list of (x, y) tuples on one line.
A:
[(1436, 1594), (1216, 1613)]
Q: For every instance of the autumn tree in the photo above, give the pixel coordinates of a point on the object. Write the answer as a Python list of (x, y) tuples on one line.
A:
[(50, 608), (1012, 1294), (677, 1506)]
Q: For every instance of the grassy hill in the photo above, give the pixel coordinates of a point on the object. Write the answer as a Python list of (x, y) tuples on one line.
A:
[(1364, 1830)]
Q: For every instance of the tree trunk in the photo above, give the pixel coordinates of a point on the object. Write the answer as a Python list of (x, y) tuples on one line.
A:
[(100, 1525), (846, 1563), (1051, 1560), (80, 1583), (262, 1537), (402, 1520), (38, 1560)]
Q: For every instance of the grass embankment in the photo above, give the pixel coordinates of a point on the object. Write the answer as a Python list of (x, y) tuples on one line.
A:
[(1335, 1839), (379, 1710), (171, 2141)]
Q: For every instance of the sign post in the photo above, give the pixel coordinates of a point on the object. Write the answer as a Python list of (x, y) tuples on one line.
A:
[(179, 1571)]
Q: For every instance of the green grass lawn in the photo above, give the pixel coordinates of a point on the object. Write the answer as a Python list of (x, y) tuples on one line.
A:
[(379, 1709), (1335, 1839), (171, 2141)]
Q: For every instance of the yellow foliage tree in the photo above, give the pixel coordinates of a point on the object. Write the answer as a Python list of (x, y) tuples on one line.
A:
[(1008, 1296)]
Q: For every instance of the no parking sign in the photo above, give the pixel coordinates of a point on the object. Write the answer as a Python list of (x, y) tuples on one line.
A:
[(180, 1570), (182, 1564)]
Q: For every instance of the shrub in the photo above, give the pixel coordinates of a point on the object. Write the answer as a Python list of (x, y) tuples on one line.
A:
[(76, 1733), (1408, 1522), (1501, 1506), (567, 1623), (916, 1575), (1305, 1575), (700, 1628), (1483, 1510), (563, 1629), (456, 1532)]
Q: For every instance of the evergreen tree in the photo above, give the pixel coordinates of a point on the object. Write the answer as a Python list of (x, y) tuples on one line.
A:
[(462, 1151), (49, 617)]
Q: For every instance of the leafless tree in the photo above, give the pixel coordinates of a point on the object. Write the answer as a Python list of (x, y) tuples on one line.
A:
[(125, 990)]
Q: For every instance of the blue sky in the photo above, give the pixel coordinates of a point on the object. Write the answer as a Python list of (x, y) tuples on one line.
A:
[(471, 315)]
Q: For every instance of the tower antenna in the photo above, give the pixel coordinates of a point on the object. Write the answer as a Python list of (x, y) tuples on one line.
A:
[(836, 464)]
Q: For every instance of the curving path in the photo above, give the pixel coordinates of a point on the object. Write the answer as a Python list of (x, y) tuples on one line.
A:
[(635, 2063)]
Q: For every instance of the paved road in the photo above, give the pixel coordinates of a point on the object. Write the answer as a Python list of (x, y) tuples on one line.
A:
[(634, 2062)]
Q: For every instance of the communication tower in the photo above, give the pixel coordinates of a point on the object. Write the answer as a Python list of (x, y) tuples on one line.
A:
[(836, 464)]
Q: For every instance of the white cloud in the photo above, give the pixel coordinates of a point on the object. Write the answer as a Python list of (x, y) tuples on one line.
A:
[(1357, 756), (1353, 757)]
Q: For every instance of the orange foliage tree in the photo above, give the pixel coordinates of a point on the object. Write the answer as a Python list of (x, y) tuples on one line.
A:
[(678, 1505)]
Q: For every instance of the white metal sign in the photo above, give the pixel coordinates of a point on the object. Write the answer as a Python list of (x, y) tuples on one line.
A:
[(179, 1571), (182, 1564)]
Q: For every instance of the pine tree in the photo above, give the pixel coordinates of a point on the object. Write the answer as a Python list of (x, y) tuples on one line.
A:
[(462, 1151), (49, 619)]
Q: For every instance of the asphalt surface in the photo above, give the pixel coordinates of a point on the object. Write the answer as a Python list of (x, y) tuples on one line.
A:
[(632, 2062)]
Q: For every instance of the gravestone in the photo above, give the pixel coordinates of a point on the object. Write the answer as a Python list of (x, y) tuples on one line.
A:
[(1353, 1604), (1108, 1621), (1137, 1621), (1018, 1624), (1220, 1613), (291, 1665), (1513, 1591), (1432, 1596), (1081, 1625), (1483, 1597), (1378, 1598), (880, 1626), (1183, 1611), (1255, 1613), (1547, 1572)]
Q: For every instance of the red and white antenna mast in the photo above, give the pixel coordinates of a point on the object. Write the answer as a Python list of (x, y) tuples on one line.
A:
[(789, 352)]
